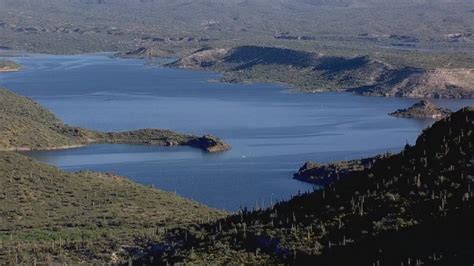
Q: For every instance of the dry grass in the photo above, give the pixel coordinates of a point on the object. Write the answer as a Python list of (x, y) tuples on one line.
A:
[(48, 214)]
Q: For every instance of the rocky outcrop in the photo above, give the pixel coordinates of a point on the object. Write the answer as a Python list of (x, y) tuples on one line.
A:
[(325, 174), (209, 143), (9, 66), (162, 137), (287, 36), (202, 58), (423, 109)]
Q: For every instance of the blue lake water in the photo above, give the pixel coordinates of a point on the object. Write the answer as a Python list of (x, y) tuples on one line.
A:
[(272, 132)]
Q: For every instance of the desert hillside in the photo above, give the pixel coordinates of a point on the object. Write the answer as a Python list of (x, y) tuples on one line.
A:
[(318, 72), (362, 217), (51, 216)]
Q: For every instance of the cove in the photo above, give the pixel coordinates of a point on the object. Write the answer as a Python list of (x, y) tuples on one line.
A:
[(272, 132)]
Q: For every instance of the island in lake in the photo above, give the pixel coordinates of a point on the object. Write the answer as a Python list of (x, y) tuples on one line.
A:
[(9, 66)]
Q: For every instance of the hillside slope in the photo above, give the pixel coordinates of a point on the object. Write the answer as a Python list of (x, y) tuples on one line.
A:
[(423, 83), (50, 216), (414, 207), (28, 126), (317, 72)]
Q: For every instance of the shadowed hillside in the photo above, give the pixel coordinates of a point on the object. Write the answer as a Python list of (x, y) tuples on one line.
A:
[(413, 207), (248, 56)]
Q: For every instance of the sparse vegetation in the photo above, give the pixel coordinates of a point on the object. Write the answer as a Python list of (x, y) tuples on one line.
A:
[(50, 216), (423, 109), (28, 126), (426, 34), (411, 208), (315, 72), (428, 52), (369, 216)]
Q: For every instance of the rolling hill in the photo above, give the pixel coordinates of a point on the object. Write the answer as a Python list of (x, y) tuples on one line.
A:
[(381, 27), (50, 216), (318, 72)]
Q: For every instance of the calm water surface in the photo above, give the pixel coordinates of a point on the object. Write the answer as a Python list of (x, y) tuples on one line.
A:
[(272, 131)]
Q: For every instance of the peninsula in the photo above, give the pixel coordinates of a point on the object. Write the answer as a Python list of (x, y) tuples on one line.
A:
[(28, 126), (316, 72), (423, 109)]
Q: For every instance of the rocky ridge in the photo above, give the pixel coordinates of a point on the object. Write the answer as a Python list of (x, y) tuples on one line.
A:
[(325, 174), (423, 109)]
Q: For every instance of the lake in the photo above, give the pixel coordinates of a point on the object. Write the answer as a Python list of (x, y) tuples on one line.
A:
[(272, 132)]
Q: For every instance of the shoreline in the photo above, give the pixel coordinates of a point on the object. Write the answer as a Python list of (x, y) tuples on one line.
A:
[(2, 70), (200, 143), (26, 149), (290, 87)]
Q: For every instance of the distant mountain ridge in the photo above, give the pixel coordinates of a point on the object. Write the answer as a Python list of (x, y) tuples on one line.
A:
[(240, 2), (178, 26)]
